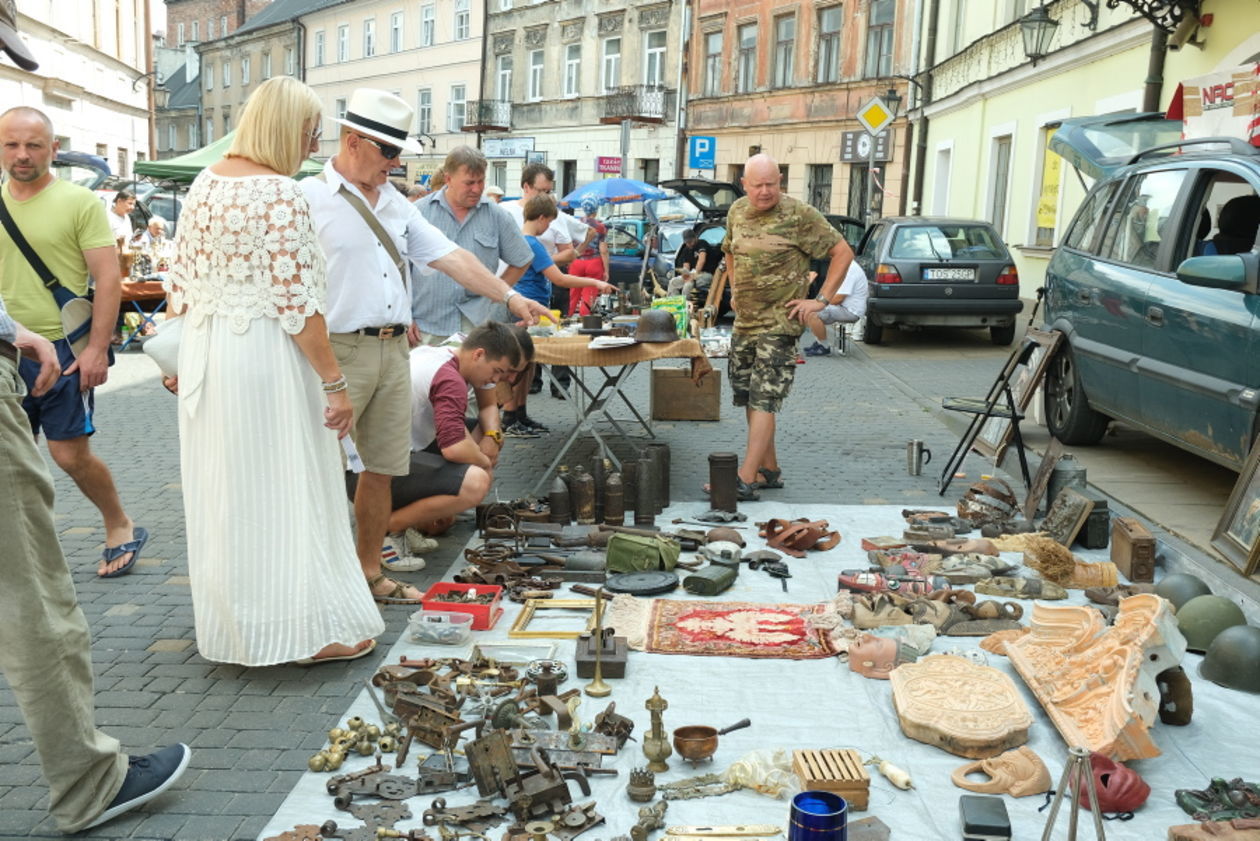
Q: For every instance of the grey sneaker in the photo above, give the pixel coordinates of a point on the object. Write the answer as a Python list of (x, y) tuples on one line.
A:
[(147, 777), (519, 430), (418, 543)]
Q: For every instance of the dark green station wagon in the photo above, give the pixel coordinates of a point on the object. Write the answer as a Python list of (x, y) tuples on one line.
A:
[(1156, 287)]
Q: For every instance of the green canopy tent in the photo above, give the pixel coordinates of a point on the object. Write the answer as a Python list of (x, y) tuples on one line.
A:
[(185, 168)]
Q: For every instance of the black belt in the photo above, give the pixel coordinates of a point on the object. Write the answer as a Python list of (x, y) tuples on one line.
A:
[(389, 331), (8, 351)]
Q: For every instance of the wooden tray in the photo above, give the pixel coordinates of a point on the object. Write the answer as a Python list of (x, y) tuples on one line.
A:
[(837, 771)]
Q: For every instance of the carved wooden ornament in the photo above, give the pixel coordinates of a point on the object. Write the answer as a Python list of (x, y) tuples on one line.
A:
[(1097, 683), (960, 706)]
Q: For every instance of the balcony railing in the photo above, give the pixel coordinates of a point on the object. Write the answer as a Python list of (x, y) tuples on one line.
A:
[(643, 103), (488, 115)]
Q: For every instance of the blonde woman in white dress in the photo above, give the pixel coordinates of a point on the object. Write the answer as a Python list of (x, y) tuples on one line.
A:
[(262, 403)]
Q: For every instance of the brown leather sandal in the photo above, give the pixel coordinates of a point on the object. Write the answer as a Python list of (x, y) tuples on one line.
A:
[(397, 595)]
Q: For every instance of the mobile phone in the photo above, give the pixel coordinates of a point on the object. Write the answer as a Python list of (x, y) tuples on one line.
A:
[(984, 818)]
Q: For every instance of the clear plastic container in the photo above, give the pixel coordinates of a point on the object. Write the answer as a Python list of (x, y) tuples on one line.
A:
[(440, 627)]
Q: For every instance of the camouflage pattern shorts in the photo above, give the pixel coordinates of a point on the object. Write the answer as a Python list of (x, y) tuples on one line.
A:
[(761, 369)]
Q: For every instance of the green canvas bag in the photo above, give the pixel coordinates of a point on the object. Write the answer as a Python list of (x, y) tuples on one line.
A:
[(637, 553)]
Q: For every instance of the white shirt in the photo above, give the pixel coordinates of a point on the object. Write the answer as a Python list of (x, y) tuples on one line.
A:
[(120, 226), (855, 290), (425, 362), (364, 289), (555, 238)]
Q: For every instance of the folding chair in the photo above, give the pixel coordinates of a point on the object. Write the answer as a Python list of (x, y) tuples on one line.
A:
[(142, 292)]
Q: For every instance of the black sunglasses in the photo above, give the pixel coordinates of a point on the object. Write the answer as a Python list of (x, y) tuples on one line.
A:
[(387, 151)]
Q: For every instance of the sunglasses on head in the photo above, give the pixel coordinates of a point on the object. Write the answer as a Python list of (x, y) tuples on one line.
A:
[(387, 151)]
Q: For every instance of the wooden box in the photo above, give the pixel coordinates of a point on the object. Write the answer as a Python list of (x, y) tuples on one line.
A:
[(676, 397), (612, 658), (1133, 549), (838, 771)]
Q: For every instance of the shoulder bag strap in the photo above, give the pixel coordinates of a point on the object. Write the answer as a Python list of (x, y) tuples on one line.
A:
[(60, 293), (375, 224)]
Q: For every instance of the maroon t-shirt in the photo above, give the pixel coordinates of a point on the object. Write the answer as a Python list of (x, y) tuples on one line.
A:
[(448, 394)]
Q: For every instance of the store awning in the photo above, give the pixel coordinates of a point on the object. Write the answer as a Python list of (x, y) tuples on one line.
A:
[(187, 167)]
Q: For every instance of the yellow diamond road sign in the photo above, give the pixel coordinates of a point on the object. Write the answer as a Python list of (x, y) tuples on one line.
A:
[(874, 116)]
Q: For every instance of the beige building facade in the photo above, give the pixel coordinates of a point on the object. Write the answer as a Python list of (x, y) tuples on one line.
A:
[(428, 53)]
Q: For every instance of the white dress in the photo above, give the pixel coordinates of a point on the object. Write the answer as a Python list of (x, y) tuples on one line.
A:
[(273, 567)]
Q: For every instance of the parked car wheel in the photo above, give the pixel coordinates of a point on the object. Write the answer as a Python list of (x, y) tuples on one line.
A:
[(874, 333), (1002, 335), (1068, 413)]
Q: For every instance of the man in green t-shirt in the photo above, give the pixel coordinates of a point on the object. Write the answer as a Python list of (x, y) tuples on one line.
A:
[(66, 227), (770, 239)]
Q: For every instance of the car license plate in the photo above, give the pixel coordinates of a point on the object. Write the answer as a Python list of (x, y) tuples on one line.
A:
[(949, 274)]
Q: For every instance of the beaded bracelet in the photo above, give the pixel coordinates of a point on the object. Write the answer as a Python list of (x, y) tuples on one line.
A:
[(335, 386)]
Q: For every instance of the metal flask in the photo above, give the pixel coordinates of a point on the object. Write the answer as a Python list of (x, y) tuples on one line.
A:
[(600, 474), (659, 453), (558, 499), (1068, 473), (723, 480), (645, 503), (583, 494), (614, 500)]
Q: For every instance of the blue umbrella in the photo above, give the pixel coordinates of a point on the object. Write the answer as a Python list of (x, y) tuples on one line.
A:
[(613, 191)]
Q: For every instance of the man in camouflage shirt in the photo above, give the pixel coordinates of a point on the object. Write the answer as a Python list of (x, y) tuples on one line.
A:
[(770, 239)]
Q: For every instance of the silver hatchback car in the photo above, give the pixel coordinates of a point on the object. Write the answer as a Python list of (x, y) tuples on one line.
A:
[(925, 271)]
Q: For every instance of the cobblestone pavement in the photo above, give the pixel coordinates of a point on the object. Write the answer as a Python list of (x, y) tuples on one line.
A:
[(841, 440)]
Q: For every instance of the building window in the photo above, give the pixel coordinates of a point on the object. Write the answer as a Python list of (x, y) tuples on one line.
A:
[(503, 79), (1001, 182), (339, 108), (746, 78), (196, 30), (320, 44), (505, 5), (193, 142), (210, 30), (784, 50), (455, 109), (612, 64), (428, 23), (290, 61), (170, 138), (820, 187), (343, 42), (369, 38), (424, 111), (266, 64), (960, 25), (713, 63), (535, 75), (463, 20), (395, 32), (1046, 221), (227, 122), (209, 130), (654, 59), (223, 28), (209, 77), (179, 34), (245, 70), (828, 44), (573, 70), (879, 38), (227, 74), (498, 175)]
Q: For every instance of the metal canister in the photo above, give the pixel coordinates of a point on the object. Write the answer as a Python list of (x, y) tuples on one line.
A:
[(600, 474), (645, 502), (630, 482), (614, 500), (1068, 473), (723, 480), (659, 453), (558, 499), (583, 495)]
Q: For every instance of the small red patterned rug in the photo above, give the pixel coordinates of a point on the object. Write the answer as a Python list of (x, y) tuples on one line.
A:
[(722, 629)]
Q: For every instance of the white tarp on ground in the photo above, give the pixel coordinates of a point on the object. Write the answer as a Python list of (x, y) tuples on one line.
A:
[(821, 704)]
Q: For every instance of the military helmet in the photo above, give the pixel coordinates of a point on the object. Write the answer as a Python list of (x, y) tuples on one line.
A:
[(1203, 617), (656, 326), (1233, 659), (1180, 588)]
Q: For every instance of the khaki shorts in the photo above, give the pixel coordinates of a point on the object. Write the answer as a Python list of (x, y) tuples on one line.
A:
[(433, 339), (761, 370), (378, 372)]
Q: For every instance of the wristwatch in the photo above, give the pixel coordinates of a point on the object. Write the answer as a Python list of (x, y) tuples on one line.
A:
[(496, 436), (824, 300), (511, 293)]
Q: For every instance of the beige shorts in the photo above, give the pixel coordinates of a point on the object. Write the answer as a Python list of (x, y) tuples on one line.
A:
[(378, 373), (433, 339)]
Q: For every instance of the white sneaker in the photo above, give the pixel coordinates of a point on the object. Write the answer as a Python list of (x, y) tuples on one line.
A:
[(418, 543), (393, 562)]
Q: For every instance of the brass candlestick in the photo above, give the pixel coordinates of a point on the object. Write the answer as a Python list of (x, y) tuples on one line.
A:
[(597, 688)]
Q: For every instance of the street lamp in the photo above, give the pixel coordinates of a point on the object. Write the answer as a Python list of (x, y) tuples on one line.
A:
[(1038, 29), (893, 100)]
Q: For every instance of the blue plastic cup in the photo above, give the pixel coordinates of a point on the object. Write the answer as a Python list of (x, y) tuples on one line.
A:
[(818, 816)]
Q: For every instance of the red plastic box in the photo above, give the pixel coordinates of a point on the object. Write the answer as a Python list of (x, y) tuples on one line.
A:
[(484, 615)]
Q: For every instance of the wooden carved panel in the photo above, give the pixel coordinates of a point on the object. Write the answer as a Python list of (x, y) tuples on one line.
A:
[(1097, 683), (1067, 515), (960, 706)]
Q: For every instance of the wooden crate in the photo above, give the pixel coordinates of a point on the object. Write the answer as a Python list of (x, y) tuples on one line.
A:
[(676, 397), (1133, 549), (838, 771)]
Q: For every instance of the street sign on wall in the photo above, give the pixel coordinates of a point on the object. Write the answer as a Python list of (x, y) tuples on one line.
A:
[(701, 152), (855, 146), (604, 163), (507, 147)]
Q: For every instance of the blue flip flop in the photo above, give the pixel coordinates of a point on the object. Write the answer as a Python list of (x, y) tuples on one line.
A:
[(112, 553)]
